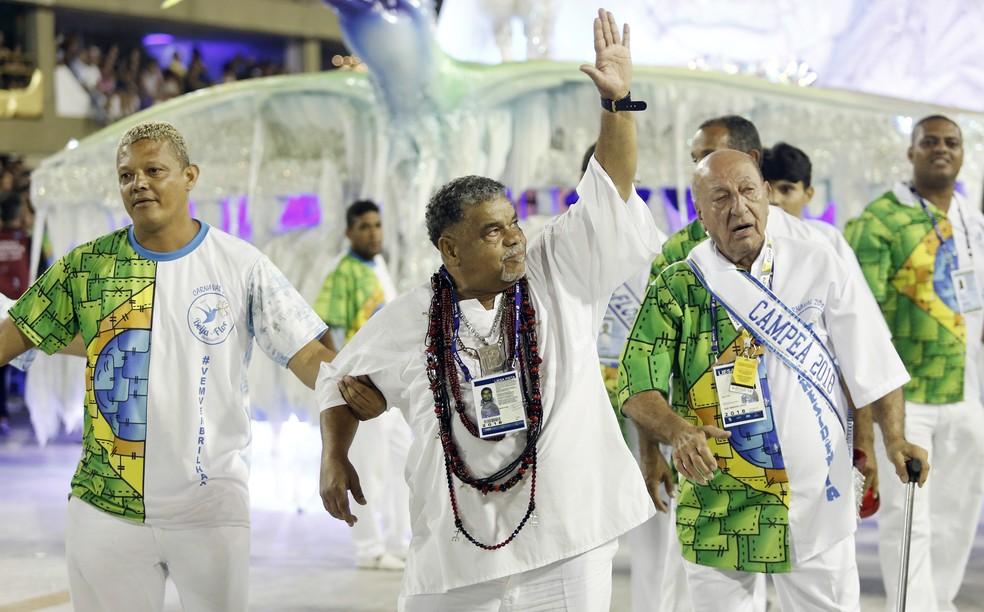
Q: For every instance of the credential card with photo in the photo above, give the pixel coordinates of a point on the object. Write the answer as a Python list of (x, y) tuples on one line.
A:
[(498, 402)]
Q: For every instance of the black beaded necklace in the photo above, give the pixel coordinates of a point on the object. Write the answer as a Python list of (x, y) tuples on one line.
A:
[(443, 375)]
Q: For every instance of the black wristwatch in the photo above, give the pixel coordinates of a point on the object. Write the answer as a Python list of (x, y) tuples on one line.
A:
[(623, 104)]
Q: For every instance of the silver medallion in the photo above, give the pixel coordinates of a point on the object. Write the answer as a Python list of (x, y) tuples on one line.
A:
[(491, 358)]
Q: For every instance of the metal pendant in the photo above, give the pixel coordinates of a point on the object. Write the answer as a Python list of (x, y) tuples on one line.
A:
[(491, 358)]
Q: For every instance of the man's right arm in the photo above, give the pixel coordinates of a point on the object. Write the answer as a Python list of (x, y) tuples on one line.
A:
[(339, 396), (338, 476)]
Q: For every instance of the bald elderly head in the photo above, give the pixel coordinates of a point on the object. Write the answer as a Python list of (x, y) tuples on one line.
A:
[(732, 203)]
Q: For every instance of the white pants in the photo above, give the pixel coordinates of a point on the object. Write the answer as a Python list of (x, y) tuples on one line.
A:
[(945, 511), (825, 582), (118, 566), (379, 455), (659, 578), (579, 584)]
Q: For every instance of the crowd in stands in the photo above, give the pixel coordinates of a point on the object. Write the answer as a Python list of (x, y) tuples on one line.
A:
[(15, 69), (15, 178), (110, 83)]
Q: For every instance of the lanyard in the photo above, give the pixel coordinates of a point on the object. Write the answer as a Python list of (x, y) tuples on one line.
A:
[(456, 322), (936, 228), (768, 273)]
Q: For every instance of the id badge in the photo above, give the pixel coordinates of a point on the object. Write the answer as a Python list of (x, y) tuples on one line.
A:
[(498, 402), (737, 408), (968, 293)]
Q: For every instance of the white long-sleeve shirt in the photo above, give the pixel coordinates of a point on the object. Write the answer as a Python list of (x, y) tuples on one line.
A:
[(588, 489)]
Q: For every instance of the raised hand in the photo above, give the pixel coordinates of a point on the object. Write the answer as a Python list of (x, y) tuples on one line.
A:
[(612, 70)]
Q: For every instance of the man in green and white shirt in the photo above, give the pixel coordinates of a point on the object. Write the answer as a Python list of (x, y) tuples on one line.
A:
[(768, 482), (358, 286), (921, 247), (168, 310)]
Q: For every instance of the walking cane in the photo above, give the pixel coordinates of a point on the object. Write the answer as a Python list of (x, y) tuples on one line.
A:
[(913, 467)]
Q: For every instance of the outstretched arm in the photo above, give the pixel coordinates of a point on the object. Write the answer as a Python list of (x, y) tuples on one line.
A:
[(612, 75)]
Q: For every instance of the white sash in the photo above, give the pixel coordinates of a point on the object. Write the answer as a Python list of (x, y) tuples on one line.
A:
[(776, 327)]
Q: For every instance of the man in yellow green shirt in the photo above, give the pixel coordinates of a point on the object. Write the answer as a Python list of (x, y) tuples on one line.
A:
[(921, 247), (357, 287)]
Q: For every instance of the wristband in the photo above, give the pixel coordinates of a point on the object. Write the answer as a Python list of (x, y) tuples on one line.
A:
[(623, 104)]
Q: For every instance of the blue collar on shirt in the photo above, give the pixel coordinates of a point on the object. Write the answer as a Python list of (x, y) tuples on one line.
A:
[(369, 262), (170, 255)]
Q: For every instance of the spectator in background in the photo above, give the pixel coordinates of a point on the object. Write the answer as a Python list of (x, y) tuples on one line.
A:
[(176, 66), (71, 99), (15, 271), (197, 77), (86, 68), (124, 101), (151, 81), (788, 170), (131, 69), (171, 87), (108, 80), (229, 72), (110, 83)]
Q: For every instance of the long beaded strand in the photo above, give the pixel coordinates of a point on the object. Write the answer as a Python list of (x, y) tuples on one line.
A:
[(442, 374)]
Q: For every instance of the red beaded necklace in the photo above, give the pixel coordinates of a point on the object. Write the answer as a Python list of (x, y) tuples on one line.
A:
[(443, 375)]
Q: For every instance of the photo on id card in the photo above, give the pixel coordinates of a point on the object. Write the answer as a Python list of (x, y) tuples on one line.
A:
[(498, 402)]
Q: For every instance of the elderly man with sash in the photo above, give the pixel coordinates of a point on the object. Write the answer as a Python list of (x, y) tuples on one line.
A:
[(756, 332), (519, 510), (921, 246)]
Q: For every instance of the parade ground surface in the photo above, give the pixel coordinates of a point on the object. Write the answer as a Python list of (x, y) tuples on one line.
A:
[(301, 559)]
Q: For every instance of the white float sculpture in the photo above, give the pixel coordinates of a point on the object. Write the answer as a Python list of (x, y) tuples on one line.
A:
[(418, 119)]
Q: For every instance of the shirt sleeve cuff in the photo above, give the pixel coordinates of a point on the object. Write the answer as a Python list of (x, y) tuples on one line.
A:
[(326, 387)]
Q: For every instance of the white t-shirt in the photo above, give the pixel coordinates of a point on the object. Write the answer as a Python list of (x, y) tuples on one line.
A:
[(169, 338), (811, 279), (588, 488)]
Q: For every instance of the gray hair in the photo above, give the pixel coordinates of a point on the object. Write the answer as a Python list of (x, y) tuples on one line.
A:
[(158, 131), (446, 207)]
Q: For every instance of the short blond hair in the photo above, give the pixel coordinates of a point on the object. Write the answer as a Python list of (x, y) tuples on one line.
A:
[(158, 131)]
